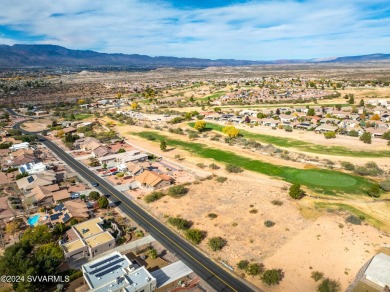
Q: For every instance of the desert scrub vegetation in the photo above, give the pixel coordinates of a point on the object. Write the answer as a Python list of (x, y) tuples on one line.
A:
[(296, 192), (272, 277), (254, 269), (179, 223), (212, 215), (269, 223), (385, 185), (214, 166), (195, 235), (316, 275), (216, 243), (370, 168), (177, 191), (347, 165), (201, 165), (253, 211), (243, 264), (328, 285), (231, 168), (221, 179), (301, 145), (353, 220), (154, 196), (277, 202)]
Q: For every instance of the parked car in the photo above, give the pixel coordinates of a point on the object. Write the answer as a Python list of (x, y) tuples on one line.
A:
[(95, 184)]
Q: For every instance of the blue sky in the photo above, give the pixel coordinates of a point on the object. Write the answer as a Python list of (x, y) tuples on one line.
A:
[(240, 29)]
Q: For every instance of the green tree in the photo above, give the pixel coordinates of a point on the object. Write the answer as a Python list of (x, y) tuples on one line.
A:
[(177, 191), (255, 269), (361, 103), (216, 243), (47, 258), (330, 135), (296, 192), (351, 99), (328, 285), (366, 138), (180, 223), (194, 235), (39, 234), (94, 195), (103, 202), (311, 112), (243, 264), (200, 125), (163, 145), (272, 277), (153, 253), (59, 228)]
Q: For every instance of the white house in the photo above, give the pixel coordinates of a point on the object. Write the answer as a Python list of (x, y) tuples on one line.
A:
[(23, 145), (32, 168)]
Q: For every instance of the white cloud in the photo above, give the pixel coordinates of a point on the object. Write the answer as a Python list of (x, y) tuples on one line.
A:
[(255, 30)]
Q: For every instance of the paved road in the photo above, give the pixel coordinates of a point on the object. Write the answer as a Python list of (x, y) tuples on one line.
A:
[(214, 275)]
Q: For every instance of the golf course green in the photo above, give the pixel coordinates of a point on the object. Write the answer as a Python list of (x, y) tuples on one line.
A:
[(323, 180)]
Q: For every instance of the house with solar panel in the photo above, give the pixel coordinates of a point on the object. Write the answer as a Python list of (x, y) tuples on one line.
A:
[(115, 272), (87, 239), (32, 168)]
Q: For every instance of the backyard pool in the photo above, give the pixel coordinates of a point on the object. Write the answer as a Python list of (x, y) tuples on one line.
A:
[(33, 220)]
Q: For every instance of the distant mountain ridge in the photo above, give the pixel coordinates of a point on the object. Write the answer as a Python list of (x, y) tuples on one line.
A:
[(52, 55)]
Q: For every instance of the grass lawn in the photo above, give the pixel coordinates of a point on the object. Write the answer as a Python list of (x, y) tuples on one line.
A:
[(82, 116), (326, 181), (212, 96), (301, 145)]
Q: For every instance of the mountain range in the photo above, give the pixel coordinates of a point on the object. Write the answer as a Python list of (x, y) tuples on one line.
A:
[(52, 55)]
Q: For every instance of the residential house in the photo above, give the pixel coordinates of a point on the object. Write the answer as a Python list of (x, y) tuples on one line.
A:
[(287, 118), (270, 122), (100, 151), (32, 168), (118, 273), (376, 132), (61, 196), (89, 144), (23, 145), (377, 274), (21, 160), (119, 158), (131, 168), (41, 195), (40, 179), (329, 121), (326, 128), (152, 180), (87, 239)]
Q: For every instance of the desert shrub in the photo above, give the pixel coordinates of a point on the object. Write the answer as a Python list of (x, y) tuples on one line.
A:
[(328, 285), (233, 168), (385, 185), (201, 165), (272, 277), (253, 211), (179, 223), (366, 138), (154, 196), (153, 253), (255, 269), (269, 223), (353, 220), (296, 192), (221, 179), (317, 275), (212, 215), (177, 191), (361, 170), (330, 135), (373, 169), (277, 202), (214, 166), (216, 243), (194, 235), (374, 191), (139, 234), (243, 264), (347, 165)]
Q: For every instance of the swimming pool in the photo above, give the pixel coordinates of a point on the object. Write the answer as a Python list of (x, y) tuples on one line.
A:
[(33, 220)]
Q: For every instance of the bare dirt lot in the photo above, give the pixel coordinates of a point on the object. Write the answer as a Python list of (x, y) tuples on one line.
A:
[(36, 125)]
